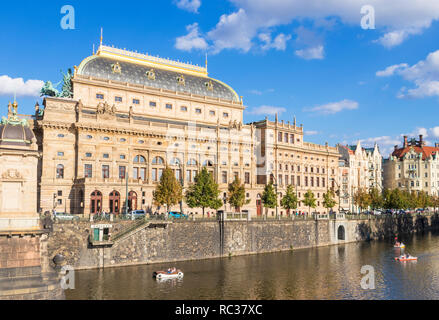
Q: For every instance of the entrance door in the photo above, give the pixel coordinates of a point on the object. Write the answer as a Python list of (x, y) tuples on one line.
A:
[(259, 207), (132, 201), (95, 202), (114, 202)]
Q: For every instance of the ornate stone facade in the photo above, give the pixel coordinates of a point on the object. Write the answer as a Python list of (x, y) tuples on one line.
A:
[(114, 138)]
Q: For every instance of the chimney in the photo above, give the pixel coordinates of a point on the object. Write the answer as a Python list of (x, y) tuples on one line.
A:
[(405, 142), (421, 142)]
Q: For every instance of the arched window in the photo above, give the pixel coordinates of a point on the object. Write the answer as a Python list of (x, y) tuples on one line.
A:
[(60, 171), (95, 202), (139, 159), (158, 160), (115, 202), (175, 162), (192, 162)]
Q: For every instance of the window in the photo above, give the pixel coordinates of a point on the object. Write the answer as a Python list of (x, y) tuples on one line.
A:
[(118, 99), (298, 181), (184, 109), (286, 137), (136, 101), (88, 155), (224, 177), (178, 175), (141, 142), (89, 137), (169, 106), (60, 154), (61, 135), (212, 113), (306, 181), (106, 138), (175, 162), (198, 110), (60, 171), (158, 160), (225, 115), (59, 193), (122, 157), (280, 136), (122, 172), (188, 175), (99, 96), (105, 171), (292, 138), (106, 156), (139, 159), (60, 201), (135, 173), (192, 162), (152, 104), (88, 171)]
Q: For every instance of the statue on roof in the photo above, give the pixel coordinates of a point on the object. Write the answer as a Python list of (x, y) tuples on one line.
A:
[(49, 90)]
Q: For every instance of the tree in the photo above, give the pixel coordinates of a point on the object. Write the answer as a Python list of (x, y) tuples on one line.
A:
[(204, 192), (269, 198), (423, 200), (328, 200), (169, 191), (435, 202), (376, 199), (289, 201), (236, 196), (309, 200), (394, 199), (362, 199)]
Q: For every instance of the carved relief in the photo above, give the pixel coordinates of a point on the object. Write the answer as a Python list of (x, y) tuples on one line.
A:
[(12, 174)]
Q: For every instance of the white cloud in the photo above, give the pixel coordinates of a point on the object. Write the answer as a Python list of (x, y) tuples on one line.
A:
[(192, 40), (279, 43), (334, 107), (311, 133), (390, 71), (311, 53), (189, 5), (267, 110), (424, 75), (253, 17), (385, 143), (10, 86)]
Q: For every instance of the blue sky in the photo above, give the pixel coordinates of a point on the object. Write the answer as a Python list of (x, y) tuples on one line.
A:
[(311, 59)]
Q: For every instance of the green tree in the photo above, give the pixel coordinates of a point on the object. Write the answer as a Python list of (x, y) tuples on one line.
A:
[(169, 191), (309, 200), (236, 195), (362, 199), (423, 200), (204, 192), (394, 199), (289, 201), (376, 199), (269, 198), (435, 202), (329, 199)]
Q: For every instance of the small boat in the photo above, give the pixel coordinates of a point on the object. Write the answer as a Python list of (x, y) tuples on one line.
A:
[(399, 245), (406, 258), (160, 275)]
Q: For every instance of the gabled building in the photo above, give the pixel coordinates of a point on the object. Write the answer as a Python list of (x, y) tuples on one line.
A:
[(413, 167), (359, 168)]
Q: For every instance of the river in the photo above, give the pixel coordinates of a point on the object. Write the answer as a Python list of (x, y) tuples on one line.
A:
[(319, 273)]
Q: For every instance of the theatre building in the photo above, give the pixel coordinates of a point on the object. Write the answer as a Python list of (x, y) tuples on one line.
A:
[(133, 114)]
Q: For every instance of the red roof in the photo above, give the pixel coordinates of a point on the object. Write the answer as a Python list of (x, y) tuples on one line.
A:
[(426, 151), (349, 150)]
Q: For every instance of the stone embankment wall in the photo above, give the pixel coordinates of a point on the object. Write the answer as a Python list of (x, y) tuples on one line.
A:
[(193, 240)]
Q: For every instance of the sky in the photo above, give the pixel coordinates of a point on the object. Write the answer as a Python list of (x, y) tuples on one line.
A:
[(349, 70)]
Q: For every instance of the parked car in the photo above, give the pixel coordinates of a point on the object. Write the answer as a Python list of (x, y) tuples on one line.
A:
[(136, 214), (177, 215), (58, 216)]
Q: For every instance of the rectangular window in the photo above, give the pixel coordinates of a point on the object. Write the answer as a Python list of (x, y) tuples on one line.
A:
[(286, 180), (298, 181), (178, 175), (292, 180), (280, 136), (152, 104), (88, 155), (122, 172), (318, 182), (212, 113), (291, 138), (224, 177), (169, 106), (184, 109), (59, 193), (312, 181), (198, 111), (188, 176), (160, 174), (105, 171), (59, 201), (60, 154), (118, 99), (236, 175), (106, 156), (99, 96), (143, 174), (247, 177), (306, 181), (194, 174), (88, 171), (286, 137), (154, 175), (280, 180), (135, 173), (136, 101), (225, 115), (323, 183)]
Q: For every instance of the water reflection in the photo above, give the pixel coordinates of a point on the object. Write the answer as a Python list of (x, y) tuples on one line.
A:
[(319, 273)]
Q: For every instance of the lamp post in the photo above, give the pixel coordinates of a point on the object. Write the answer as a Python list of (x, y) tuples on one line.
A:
[(275, 190), (339, 193)]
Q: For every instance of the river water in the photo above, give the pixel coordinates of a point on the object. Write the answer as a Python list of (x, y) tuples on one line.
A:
[(319, 273)]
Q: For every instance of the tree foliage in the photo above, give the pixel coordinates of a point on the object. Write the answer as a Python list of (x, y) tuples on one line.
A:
[(376, 198), (309, 200), (204, 192), (329, 201), (236, 195), (269, 198), (289, 201), (169, 191), (362, 199)]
